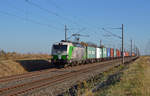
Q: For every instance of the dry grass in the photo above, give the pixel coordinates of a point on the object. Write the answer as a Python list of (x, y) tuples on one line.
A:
[(10, 67), (15, 55), (134, 82), (127, 80)]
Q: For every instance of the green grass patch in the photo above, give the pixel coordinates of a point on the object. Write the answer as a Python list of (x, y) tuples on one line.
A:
[(98, 85), (135, 81)]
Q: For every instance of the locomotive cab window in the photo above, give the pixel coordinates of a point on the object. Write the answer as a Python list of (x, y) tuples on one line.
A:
[(60, 47)]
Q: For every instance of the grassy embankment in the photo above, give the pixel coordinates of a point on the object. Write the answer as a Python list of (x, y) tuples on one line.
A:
[(9, 66), (128, 80), (134, 82)]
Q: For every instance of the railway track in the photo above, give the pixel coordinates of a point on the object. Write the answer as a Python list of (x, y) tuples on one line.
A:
[(15, 80), (25, 75), (28, 75), (49, 81)]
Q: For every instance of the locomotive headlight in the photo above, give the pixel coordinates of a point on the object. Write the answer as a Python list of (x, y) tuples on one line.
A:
[(67, 56), (59, 56)]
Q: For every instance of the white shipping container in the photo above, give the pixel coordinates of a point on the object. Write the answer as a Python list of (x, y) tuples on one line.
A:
[(98, 53)]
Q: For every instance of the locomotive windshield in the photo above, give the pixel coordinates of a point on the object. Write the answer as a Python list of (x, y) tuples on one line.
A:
[(60, 47)]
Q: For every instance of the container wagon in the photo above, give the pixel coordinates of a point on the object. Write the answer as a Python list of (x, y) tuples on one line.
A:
[(111, 53), (98, 54), (71, 53), (91, 54), (115, 53), (108, 53), (118, 53), (104, 53)]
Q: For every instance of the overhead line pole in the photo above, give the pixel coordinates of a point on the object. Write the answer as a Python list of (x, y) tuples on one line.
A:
[(122, 28), (134, 48), (122, 45), (66, 32), (131, 47), (100, 43)]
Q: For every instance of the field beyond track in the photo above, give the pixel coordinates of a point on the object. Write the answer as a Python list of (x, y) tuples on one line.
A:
[(12, 63)]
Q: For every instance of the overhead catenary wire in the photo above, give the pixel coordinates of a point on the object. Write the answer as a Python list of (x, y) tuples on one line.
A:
[(50, 12), (112, 33), (36, 5), (74, 17), (54, 4), (53, 13), (14, 7), (26, 19), (125, 33), (56, 14), (60, 8), (27, 13)]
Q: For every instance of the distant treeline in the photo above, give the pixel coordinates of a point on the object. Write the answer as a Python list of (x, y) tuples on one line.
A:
[(15, 55)]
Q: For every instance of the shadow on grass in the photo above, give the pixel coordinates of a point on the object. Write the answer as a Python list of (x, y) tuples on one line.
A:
[(111, 80), (35, 65)]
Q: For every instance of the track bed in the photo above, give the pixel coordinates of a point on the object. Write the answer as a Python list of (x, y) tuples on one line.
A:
[(53, 81)]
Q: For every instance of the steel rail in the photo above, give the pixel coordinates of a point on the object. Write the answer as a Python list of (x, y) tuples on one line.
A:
[(49, 81)]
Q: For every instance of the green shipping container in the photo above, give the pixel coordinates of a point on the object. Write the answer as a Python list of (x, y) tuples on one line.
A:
[(115, 53), (91, 52), (101, 53), (104, 52)]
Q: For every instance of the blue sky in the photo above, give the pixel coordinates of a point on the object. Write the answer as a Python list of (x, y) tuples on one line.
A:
[(25, 27)]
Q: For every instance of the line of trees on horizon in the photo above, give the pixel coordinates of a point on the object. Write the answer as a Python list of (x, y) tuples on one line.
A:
[(15, 55)]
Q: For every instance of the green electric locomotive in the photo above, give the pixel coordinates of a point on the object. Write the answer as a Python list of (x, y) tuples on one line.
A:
[(67, 53)]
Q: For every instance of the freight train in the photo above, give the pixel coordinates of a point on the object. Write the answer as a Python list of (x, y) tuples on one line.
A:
[(67, 53)]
